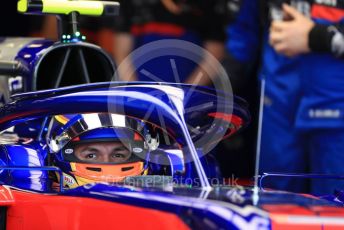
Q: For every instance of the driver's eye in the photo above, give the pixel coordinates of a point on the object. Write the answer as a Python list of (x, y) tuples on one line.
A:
[(90, 156), (118, 155)]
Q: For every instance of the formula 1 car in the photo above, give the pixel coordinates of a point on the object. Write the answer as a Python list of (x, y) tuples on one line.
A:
[(177, 188), (113, 155)]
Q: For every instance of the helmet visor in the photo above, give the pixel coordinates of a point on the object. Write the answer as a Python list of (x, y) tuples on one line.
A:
[(64, 129), (109, 150), (102, 153)]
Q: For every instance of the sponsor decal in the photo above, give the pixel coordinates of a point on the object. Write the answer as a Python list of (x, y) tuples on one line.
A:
[(324, 113), (137, 150), (15, 84), (69, 180), (68, 151), (236, 195)]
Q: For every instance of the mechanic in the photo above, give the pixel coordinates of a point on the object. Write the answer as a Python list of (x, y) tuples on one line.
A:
[(303, 125), (98, 147), (199, 22)]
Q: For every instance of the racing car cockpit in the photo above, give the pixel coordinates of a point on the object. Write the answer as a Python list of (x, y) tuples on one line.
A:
[(135, 134)]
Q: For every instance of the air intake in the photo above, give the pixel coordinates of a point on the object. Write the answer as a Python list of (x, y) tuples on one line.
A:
[(72, 64)]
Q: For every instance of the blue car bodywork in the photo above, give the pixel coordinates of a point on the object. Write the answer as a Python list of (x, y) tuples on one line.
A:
[(200, 204)]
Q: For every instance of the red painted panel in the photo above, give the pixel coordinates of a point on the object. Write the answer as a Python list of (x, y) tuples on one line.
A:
[(296, 217), (50, 212), (287, 209), (328, 13), (230, 118)]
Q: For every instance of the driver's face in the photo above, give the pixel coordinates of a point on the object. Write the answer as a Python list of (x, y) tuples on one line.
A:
[(112, 152)]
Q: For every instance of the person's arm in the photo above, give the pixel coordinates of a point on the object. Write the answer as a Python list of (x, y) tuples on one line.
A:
[(123, 46), (290, 37), (327, 39), (49, 29), (124, 43), (213, 35), (205, 71), (301, 35)]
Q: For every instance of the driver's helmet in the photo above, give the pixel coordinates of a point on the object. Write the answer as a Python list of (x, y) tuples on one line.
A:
[(99, 147)]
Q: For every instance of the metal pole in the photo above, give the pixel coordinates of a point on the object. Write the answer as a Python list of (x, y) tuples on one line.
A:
[(255, 197)]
